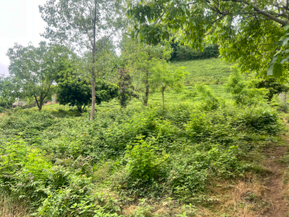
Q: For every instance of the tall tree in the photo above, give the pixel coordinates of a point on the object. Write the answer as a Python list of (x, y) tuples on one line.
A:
[(81, 24), (247, 31), (35, 68)]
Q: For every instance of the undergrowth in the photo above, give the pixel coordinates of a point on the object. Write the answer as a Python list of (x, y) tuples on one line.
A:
[(136, 161), (69, 166)]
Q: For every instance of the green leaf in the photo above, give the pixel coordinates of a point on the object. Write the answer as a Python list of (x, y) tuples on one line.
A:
[(277, 70), (285, 41), (270, 70), (284, 60)]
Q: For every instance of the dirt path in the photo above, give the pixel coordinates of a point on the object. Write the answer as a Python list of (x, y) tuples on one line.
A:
[(278, 205)]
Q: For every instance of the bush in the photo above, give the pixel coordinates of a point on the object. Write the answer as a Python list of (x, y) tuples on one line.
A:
[(244, 91), (75, 199), (211, 102), (273, 86), (144, 167), (184, 53)]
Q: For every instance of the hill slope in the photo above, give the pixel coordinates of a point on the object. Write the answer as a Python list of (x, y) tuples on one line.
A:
[(204, 157)]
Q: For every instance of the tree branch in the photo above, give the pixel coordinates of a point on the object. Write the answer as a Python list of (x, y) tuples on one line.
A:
[(265, 13)]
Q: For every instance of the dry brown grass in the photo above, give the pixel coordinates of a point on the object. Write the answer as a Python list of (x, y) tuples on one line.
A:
[(241, 200), (12, 208)]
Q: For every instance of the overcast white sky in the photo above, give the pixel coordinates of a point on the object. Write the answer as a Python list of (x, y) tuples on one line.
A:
[(20, 22)]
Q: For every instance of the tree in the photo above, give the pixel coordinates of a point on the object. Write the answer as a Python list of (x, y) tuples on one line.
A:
[(35, 68), (73, 88), (164, 76), (184, 52), (9, 91), (247, 31), (105, 91), (140, 61), (82, 23), (273, 87), (126, 90)]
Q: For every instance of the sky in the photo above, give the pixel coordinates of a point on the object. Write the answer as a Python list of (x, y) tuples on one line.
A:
[(20, 22)]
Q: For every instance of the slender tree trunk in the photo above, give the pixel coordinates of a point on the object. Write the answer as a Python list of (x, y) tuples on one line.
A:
[(163, 96), (147, 89), (92, 95), (39, 104), (93, 69)]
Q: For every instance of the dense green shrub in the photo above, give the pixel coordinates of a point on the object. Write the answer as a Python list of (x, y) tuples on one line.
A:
[(273, 86), (126, 90), (75, 92), (244, 91), (74, 199), (211, 102), (184, 52), (144, 165)]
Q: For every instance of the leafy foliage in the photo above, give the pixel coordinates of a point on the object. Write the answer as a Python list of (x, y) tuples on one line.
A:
[(184, 53), (76, 93), (125, 87), (141, 61), (152, 156), (9, 91), (245, 91), (246, 31), (211, 102), (166, 76), (273, 86), (105, 91), (35, 69), (63, 164), (86, 24)]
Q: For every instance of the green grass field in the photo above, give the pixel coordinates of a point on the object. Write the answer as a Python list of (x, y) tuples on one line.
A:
[(207, 72)]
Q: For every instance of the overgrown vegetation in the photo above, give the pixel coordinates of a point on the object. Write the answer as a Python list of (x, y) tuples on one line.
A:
[(62, 164)]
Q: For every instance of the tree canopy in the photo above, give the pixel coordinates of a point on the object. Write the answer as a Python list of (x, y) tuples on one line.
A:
[(247, 31), (9, 91), (166, 75), (34, 69), (140, 61)]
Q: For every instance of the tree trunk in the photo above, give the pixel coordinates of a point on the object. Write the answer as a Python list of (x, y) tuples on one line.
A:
[(163, 96), (147, 82), (79, 110), (39, 104), (40, 108), (93, 69), (92, 95), (147, 90)]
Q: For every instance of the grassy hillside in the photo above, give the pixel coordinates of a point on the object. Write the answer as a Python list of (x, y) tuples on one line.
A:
[(138, 161), (207, 71)]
